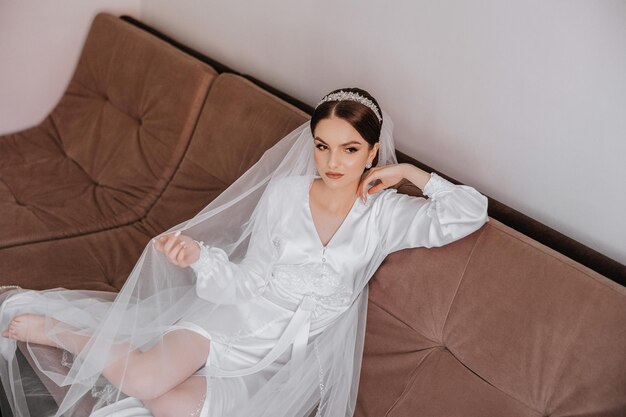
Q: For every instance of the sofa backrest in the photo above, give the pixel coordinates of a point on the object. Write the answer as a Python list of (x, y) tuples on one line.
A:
[(493, 324), (238, 123)]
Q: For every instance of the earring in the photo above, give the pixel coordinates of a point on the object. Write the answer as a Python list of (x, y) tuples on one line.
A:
[(369, 165)]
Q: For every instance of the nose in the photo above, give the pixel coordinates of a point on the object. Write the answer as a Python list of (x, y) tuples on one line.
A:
[(333, 159)]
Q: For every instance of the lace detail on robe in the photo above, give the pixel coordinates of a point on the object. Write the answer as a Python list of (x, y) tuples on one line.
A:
[(315, 281), (437, 184)]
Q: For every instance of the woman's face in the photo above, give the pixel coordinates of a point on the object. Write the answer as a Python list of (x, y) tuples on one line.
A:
[(339, 148)]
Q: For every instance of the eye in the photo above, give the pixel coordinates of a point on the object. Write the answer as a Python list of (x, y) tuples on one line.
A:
[(322, 146), (352, 150)]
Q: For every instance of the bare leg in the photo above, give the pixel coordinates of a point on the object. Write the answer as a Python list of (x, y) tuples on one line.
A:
[(184, 400), (143, 375)]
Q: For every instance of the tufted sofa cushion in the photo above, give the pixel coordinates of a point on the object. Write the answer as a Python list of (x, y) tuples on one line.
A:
[(104, 155), (73, 188), (495, 324)]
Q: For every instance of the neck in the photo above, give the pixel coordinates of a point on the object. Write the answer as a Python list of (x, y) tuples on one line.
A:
[(337, 199)]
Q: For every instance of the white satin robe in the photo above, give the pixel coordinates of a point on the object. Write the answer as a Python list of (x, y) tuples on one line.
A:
[(290, 287)]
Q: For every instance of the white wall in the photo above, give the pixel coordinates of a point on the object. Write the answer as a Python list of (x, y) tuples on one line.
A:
[(525, 100), (40, 42)]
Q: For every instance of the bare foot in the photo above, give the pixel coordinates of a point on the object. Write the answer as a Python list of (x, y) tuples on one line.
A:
[(29, 328)]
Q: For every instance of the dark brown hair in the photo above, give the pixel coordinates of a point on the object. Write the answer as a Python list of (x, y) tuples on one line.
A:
[(361, 118)]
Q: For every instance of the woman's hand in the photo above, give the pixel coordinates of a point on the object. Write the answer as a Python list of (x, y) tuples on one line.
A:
[(388, 175), (179, 249)]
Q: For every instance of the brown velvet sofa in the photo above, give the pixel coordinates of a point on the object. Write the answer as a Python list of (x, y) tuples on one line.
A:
[(495, 324)]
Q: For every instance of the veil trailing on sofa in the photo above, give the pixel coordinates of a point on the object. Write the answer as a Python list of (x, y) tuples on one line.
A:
[(158, 296)]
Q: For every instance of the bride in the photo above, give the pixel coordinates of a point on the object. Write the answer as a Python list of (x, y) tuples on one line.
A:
[(254, 307)]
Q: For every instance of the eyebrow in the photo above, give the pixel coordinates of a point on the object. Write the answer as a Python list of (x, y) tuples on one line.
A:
[(343, 144)]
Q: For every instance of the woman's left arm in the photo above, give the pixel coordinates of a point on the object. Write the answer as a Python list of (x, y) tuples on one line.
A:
[(450, 213)]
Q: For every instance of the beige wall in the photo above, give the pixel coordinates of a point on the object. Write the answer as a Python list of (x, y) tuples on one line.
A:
[(525, 100)]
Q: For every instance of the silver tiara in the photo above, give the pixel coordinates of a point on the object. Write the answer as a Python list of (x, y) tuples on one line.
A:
[(348, 95)]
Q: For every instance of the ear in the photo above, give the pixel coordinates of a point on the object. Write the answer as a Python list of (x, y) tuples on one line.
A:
[(372, 153)]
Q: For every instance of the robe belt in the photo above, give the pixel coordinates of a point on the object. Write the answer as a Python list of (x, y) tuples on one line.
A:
[(296, 333)]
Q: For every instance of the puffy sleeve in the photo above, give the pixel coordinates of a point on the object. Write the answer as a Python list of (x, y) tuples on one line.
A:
[(222, 281), (450, 213)]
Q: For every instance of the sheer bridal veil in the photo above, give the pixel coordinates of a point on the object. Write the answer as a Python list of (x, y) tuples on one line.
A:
[(158, 294)]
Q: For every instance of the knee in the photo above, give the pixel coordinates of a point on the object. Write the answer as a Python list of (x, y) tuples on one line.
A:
[(187, 399), (142, 383)]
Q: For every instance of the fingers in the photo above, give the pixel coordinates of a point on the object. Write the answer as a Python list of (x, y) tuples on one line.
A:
[(175, 252), (157, 243), (376, 188), (173, 245), (371, 176), (171, 242), (363, 186), (182, 254), (165, 242), (387, 176)]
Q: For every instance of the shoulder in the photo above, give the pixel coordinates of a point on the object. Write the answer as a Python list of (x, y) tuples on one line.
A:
[(383, 197), (390, 199)]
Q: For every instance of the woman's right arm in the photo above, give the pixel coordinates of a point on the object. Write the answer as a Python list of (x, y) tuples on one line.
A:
[(218, 279), (221, 281)]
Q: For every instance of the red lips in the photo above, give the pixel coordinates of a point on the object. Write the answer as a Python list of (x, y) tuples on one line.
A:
[(334, 175)]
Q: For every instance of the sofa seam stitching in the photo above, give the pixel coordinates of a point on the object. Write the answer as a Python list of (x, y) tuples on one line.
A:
[(508, 394), (402, 321), (409, 384), (456, 290), (561, 367)]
